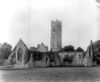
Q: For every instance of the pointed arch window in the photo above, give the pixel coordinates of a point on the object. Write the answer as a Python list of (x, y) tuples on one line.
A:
[(19, 53)]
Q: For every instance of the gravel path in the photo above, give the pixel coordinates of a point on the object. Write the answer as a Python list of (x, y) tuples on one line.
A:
[(62, 74)]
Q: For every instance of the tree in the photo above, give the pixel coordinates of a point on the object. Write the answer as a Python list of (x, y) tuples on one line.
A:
[(79, 49), (69, 48), (5, 50)]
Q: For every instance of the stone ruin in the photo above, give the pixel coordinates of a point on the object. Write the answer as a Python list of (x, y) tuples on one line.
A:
[(18, 57), (21, 57)]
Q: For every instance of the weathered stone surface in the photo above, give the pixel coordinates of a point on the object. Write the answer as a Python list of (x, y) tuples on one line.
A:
[(44, 62), (12, 59), (87, 60), (42, 48), (77, 60), (30, 63), (19, 55), (57, 60), (62, 57), (52, 64), (56, 35), (61, 60)]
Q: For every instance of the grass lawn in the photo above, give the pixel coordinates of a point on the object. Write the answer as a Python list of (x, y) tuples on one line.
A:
[(57, 74)]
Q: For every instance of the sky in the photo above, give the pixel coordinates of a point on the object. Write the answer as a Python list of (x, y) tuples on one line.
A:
[(30, 20)]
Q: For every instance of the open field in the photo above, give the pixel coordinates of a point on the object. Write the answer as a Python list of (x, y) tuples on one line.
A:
[(61, 74)]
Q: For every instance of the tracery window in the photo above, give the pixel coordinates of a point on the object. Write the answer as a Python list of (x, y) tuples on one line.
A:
[(19, 53)]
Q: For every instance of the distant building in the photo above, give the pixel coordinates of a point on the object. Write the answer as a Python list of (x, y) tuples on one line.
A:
[(56, 35), (42, 48)]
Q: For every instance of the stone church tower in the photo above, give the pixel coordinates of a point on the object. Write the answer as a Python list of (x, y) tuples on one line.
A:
[(56, 35)]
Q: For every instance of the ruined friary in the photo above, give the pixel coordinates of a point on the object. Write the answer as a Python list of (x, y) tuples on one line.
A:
[(22, 57)]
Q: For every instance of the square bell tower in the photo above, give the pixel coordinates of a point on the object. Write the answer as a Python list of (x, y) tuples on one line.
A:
[(56, 35)]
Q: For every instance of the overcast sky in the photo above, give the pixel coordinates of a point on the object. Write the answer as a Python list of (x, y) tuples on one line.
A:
[(31, 21)]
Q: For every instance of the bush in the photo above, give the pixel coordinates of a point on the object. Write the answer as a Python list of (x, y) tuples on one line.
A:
[(79, 49)]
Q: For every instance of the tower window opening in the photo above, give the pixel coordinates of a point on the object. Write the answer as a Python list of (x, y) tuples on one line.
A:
[(53, 29)]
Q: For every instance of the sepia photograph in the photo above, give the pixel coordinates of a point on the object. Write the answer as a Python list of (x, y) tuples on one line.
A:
[(50, 41)]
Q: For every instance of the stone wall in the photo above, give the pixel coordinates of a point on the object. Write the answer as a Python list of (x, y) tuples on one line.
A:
[(77, 58), (44, 62)]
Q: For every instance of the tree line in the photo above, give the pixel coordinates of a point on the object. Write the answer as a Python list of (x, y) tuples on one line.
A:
[(5, 50)]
